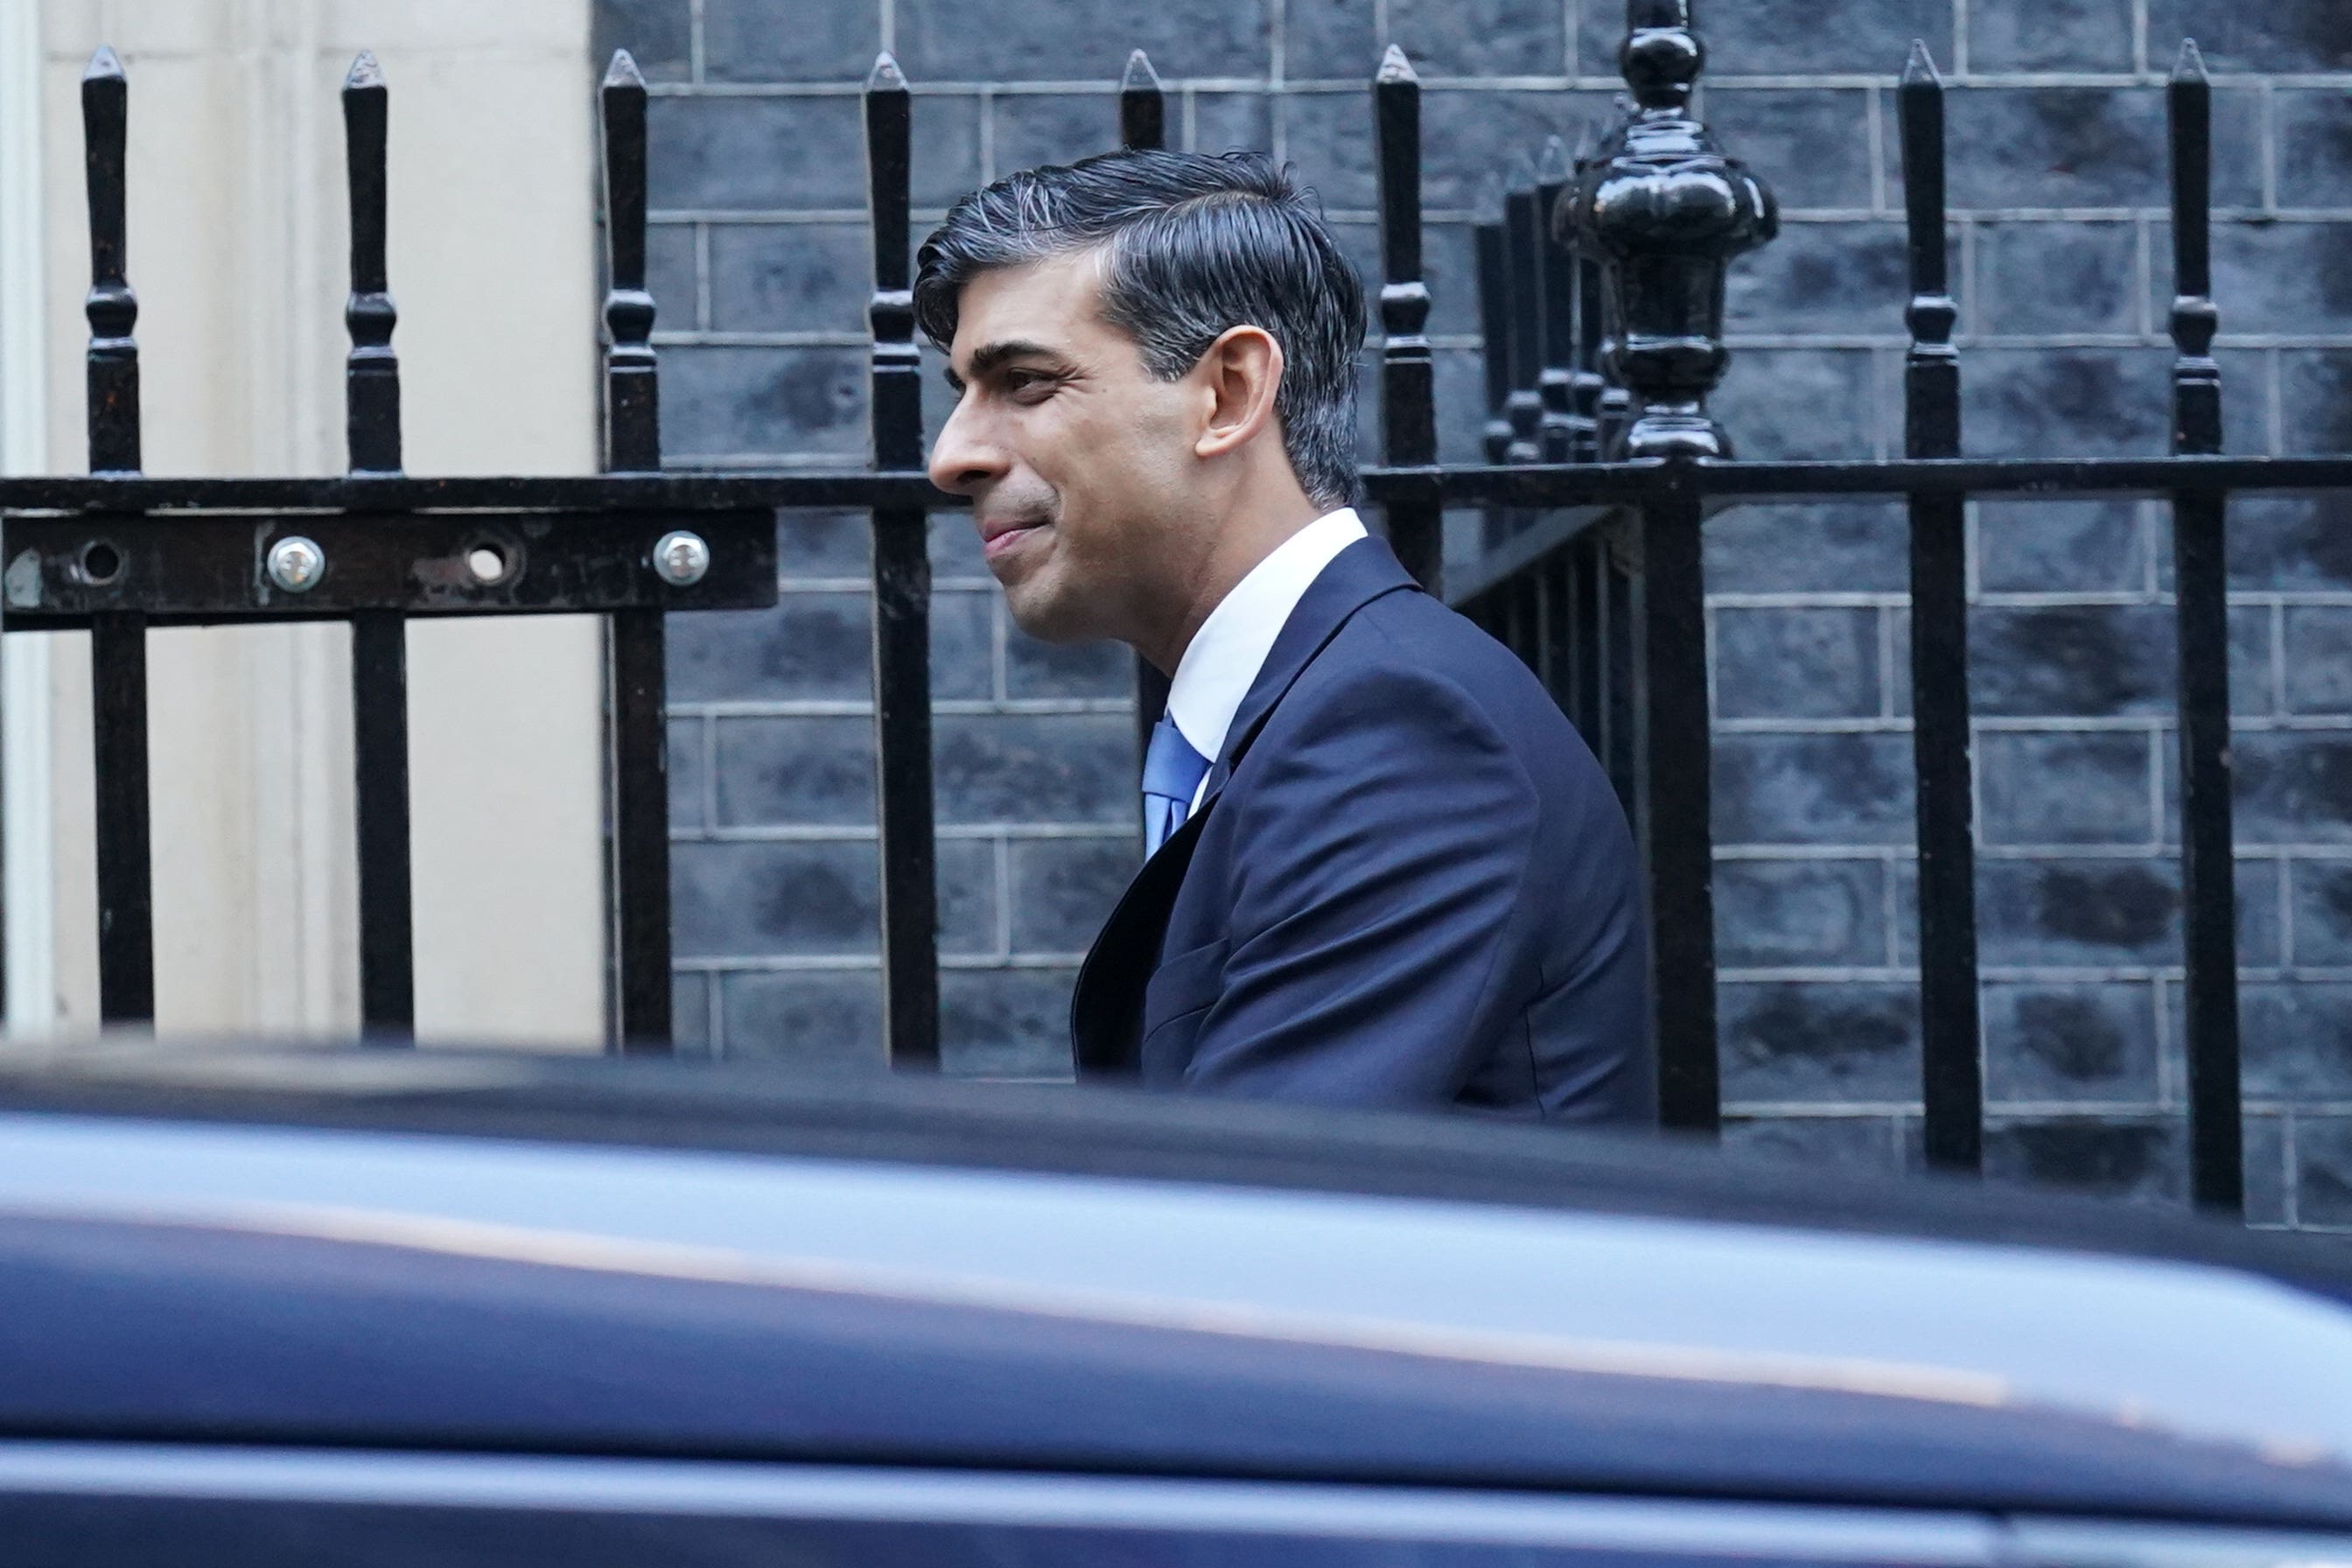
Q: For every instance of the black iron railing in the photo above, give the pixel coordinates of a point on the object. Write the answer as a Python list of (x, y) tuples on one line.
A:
[(1603, 282), (1677, 212), (118, 554)]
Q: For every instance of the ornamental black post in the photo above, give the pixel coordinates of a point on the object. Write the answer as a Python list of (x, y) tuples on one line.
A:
[(1952, 1076), (118, 638), (636, 639), (1667, 211), (2200, 589), (1408, 402), (902, 600), (1143, 125), (379, 637)]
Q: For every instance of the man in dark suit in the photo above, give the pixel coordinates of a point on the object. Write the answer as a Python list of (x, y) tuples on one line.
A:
[(1384, 869)]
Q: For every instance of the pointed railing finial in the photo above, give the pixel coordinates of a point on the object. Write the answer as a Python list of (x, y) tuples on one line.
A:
[(2190, 66), (885, 76), (1921, 67), (1407, 406), (1520, 173), (371, 371), (632, 390), (1143, 106), (1487, 205), (1554, 168), (1587, 143), (1563, 436), (112, 307)]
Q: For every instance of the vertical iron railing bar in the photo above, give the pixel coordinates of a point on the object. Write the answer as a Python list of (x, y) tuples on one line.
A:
[(2200, 588), (379, 637), (1143, 126), (1951, 1065), (1408, 394), (1493, 247), (1563, 438), (1523, 305), (1673, 788), (1559, 666), (902, 599), (1527, 598), (1619, 599), (118, 640), (1588, 616), (636, 638)]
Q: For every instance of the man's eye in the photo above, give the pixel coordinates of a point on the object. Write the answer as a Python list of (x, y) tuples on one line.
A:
[(1027, 383)]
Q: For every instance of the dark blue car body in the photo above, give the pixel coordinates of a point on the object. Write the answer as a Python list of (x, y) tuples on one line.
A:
[(262, 1307)]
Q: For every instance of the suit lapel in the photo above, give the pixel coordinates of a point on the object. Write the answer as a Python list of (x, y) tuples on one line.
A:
[(1106, 1008)]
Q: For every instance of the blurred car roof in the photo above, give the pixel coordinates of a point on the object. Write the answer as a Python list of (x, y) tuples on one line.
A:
[(477, 1250)]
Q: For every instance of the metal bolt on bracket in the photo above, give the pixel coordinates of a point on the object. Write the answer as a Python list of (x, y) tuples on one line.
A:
[(681, 558), (297, 564)]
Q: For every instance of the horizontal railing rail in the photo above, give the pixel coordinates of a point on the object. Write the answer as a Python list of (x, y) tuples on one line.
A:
[(1453, 484)]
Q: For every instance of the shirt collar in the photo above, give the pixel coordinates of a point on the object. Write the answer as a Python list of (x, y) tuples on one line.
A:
[(1226, 655)]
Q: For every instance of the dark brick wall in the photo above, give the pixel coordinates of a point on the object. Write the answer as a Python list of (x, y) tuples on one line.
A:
[(2057, 131)]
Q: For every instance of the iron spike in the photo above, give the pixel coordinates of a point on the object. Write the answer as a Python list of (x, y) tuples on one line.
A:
[(103, 63), (623, 71), (885, 77), (365, 73), (2190, 66), (1919, 70), (1555, 168), (1488, 207), (1394, 66), (1139, 76)]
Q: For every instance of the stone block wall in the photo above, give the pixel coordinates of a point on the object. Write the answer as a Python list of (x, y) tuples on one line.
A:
[(2063, 267)]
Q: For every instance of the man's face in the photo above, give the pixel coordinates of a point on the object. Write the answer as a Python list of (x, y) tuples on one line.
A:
[(1076, 458)]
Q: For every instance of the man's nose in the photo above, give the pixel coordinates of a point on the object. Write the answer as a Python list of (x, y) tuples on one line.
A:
[(962, 458)]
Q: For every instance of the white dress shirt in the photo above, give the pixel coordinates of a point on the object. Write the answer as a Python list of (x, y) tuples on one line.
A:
[(1226, 655)]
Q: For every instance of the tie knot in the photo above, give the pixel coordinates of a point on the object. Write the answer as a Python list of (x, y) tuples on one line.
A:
[(1172, 770)]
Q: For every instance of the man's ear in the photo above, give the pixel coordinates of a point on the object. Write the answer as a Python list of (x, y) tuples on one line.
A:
[(1238, 375)]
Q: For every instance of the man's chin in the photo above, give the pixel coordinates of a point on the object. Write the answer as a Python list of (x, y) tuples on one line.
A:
[(1043, 611)]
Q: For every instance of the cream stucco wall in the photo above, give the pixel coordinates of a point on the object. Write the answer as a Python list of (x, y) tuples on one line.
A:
[(237, 236)]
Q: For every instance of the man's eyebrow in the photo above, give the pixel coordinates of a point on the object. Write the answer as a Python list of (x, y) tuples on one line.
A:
[(990, 357)]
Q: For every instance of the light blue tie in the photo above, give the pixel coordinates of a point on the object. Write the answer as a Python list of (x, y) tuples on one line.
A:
[(1172, 770)]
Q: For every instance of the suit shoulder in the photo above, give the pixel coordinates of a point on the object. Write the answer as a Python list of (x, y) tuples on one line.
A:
[(1407, 660), (1414, 631)]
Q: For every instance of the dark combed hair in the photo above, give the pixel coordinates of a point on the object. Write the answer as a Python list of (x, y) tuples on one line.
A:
[(1192, 246)]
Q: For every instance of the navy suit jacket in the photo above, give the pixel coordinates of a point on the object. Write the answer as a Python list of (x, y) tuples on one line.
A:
[(1409, 884)]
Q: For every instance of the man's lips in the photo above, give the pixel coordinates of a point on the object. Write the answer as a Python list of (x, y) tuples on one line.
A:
[(996, 537)]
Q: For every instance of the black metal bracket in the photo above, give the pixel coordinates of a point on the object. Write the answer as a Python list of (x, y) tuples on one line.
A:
[(204, 567)]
